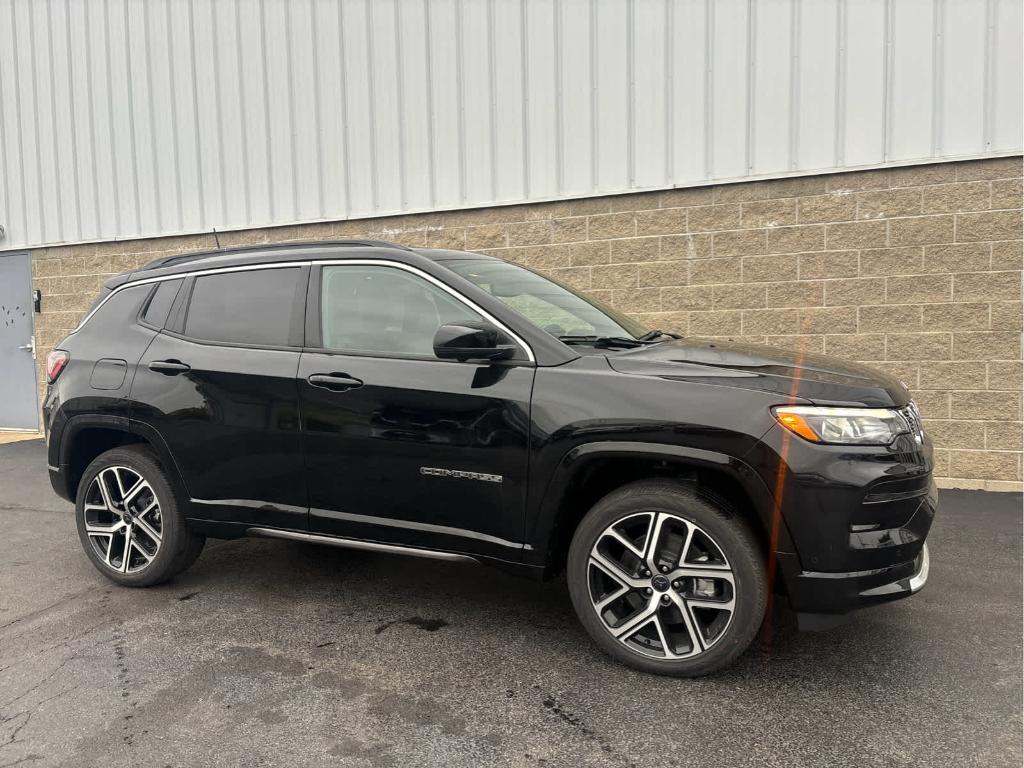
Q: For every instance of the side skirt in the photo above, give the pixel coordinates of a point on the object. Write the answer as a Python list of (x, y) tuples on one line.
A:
[(337, 541)]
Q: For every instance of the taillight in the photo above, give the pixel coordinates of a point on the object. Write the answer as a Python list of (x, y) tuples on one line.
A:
[(55, 362)]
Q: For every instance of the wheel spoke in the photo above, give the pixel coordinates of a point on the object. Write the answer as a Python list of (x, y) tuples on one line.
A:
[(683, 563), (652, 534), (120, 482), (702, 573), (624, 542), (127, 550), (103, 530), (604, 603), (690, 528), (134, 491), (615, 571), (718, 605), (108, 551), (696, 641), (663, 637), (105, 491), (138, 548), (706, 566), (148, 530), (651, 546), (149, 508), (627, 629)]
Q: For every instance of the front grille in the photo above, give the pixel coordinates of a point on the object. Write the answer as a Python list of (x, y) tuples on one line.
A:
[(913, 416)]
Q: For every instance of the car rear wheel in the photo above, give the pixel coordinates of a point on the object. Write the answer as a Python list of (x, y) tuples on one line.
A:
[(130, 521), (667, 579)]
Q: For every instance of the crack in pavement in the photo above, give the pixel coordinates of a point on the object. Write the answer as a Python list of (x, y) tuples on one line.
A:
[(40, 683), (43, 610), (23, 508), (46, 649), (28, 713)]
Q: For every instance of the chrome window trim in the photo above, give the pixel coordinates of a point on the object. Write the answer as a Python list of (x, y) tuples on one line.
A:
[(179, 275), (323, 262)]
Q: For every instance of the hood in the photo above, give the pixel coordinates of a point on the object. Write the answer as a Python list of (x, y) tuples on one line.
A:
[(818, 379)]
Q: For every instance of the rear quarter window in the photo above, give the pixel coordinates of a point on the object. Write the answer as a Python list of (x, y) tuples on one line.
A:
[(159, 304), (120, 309)]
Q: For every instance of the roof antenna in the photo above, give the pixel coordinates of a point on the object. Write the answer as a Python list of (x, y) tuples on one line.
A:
[(216, 238)]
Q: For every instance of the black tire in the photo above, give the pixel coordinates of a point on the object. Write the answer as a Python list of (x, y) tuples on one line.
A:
[(728, 531), (179, 547)]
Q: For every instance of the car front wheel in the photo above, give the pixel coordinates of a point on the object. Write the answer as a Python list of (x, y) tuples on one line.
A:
[(667, 579), (130, 521)]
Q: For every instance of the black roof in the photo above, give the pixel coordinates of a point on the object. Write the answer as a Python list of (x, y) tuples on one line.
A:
[(280, 250), (292, 251)]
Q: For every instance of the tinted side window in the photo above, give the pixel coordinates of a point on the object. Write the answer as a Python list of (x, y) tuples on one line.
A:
[(250, 307), (385, 310), (159, 305), (117, 311)]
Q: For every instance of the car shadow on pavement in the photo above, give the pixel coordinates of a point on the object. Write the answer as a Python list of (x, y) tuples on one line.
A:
[(384, 591)]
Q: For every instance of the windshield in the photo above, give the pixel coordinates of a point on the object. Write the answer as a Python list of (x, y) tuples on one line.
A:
[(546, 303)]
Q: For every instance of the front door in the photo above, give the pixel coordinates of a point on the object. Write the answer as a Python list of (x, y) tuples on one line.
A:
[(400, 446), (19, 408)]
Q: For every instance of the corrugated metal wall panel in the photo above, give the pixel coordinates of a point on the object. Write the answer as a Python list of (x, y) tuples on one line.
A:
[(1007, 63), (123, 118)]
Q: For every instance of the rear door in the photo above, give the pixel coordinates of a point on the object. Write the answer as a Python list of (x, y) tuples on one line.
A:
[(218, 386), (403, 447)]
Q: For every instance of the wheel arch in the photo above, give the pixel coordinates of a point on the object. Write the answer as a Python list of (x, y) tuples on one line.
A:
[(86, 437), (592, 470)]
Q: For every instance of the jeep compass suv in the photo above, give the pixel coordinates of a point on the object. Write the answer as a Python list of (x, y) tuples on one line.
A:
[(459, 407)]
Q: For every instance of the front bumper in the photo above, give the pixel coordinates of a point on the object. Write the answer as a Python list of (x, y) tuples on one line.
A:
[(854, 522), (813, 592)]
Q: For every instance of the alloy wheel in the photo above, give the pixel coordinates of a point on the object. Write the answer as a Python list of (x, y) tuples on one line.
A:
[(661, 585), (123, 519)]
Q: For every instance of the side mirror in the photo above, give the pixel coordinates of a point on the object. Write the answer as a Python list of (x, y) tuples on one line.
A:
[(470, 341)]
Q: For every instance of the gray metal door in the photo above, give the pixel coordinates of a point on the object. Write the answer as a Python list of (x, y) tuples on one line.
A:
[(19, 408)]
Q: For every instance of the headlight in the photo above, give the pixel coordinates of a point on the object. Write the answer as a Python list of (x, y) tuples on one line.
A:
[(843, 426)]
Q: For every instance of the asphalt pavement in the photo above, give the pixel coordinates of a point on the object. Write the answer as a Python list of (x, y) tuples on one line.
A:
[(271, 653)]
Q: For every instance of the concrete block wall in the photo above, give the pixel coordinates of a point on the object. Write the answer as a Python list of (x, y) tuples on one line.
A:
[(914, 270)]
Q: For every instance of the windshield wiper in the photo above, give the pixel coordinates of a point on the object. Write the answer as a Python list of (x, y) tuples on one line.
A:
[(604, 341), (652, 335)]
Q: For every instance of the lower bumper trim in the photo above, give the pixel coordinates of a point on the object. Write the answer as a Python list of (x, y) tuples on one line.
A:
[(817, 592), (908, 585)]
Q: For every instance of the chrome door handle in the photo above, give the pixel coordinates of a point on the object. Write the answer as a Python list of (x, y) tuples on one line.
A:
[(30, 347), (336, 382)]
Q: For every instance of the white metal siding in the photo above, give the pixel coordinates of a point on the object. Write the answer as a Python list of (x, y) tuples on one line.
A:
[(124, 118)]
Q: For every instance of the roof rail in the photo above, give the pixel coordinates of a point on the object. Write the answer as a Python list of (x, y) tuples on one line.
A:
[(185, 257)]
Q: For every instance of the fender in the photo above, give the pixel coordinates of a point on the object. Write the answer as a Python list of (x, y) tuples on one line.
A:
[(62, 435), (76, 424), (62, 441), (156, 440), (546, 516)]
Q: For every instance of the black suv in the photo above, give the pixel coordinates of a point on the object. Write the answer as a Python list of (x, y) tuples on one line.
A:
[(456, 406)]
